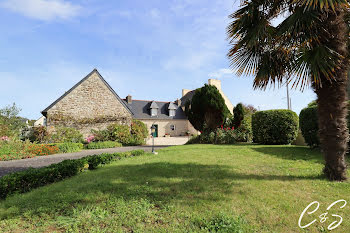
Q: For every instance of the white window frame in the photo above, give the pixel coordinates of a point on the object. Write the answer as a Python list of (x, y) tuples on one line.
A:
[(171, 112), (154, 112)]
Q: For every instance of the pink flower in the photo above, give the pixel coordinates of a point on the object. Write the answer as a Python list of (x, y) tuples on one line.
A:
[(90, 138), (4, 138)]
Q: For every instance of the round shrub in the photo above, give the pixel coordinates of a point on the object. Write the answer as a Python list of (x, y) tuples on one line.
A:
[(275, 126), (308, 119), (309, 124)]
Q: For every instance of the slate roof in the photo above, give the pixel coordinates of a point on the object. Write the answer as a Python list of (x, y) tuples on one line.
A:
[(187, 97), (141, 110), (44, 112)]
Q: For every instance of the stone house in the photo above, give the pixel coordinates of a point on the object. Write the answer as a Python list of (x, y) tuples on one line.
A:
[(93, 104), (89, 104)]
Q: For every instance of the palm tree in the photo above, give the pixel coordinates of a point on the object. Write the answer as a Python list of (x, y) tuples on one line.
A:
[(310, 45)]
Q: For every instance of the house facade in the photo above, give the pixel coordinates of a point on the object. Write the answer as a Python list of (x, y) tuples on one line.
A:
[(93, 104)]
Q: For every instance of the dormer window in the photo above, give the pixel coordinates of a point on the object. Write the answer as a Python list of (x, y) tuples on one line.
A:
[(154, 112), (172, 108), (154, 109)]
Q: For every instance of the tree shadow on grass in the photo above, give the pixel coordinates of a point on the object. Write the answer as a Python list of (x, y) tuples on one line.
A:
[(160, 183), (292, 153)]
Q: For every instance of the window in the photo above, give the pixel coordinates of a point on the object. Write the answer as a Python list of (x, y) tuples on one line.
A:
[(154, 112), (172, 127), (171, 112)]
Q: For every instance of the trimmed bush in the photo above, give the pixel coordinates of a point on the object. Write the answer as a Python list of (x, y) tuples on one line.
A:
[(309, 124), (102, 145), (69, 147), (24, 181), (275, 126), (27, 180), (308, 119)]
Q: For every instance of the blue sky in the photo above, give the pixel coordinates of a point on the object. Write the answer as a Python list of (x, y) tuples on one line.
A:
[(149, 49)]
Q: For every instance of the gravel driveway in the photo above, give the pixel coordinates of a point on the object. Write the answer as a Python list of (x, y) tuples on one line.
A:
[(42, 161)]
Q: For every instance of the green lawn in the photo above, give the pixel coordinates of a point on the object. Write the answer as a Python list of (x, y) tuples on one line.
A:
[(186, 189)]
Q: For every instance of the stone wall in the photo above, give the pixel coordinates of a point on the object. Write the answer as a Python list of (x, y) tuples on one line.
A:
[(91, 105)]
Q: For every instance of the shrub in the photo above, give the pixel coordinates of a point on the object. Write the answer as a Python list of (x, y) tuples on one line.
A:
[(102, 145), (309, 126), (29, 179), (69, 147), (38, 134), (139, 131), (195, 139), (119, 133), (244, 133), (238, 115), (101, 135), (275, 126), (66, 134)]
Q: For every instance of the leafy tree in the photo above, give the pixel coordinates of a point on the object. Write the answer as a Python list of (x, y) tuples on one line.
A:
[(10, 122), (207, 109), (311, 44), (238, 115)]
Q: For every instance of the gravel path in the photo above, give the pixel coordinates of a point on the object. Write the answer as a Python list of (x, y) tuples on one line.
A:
[(42, 161)]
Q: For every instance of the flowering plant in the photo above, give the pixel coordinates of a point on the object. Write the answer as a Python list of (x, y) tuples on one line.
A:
[(4, 138), (90, 138)]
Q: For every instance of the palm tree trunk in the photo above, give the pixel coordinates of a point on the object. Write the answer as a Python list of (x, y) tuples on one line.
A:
[(332, 103)]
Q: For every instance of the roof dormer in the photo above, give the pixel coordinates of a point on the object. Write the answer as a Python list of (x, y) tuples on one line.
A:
[(172, 109), (154, 109)]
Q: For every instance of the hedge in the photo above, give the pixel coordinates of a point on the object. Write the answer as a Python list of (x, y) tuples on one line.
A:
[(24, 181), (308, 119), (275, 126), (309, 125), (102, 145)]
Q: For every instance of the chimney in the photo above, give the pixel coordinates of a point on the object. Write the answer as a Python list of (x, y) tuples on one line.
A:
[(178, 102), (215, 82), (184, 92), (129, 99)]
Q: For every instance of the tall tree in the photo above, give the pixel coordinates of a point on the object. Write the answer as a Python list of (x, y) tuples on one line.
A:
[(310, 44), (207, 109), (238, 115)]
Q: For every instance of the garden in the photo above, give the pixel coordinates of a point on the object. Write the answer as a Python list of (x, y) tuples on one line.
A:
[(18, 140), (191, 188)]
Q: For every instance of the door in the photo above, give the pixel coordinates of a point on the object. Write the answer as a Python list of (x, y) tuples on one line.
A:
[(156, 131)]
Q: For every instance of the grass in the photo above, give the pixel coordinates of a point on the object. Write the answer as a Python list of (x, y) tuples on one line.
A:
[(192, 188)]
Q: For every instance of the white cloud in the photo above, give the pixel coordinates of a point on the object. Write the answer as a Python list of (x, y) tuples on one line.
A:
[(46, 10), (221, 72)]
